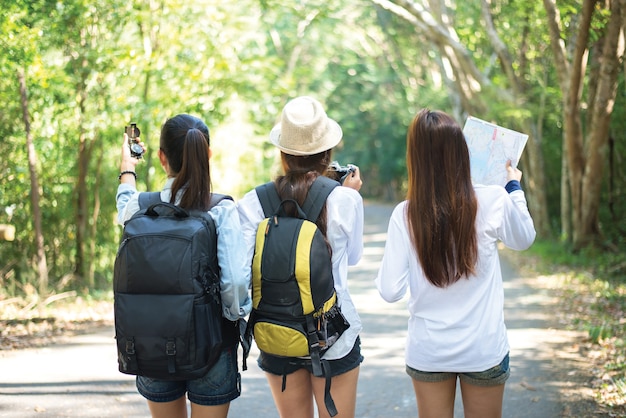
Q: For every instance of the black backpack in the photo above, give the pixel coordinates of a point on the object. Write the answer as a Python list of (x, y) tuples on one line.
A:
[(294, 304), (167, 308)]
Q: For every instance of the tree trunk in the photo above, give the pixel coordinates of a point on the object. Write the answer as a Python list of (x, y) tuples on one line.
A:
[(571, 77), (96, 213), (82, 190), (467, 82), (596, 148), (149, 29), (535, 178), (461, 69), (566, 201), (42, 266), (572, 124), (587, 154), (82, 200)]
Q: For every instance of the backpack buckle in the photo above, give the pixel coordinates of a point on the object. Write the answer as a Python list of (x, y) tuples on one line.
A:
[(130, 347), (170, 348)]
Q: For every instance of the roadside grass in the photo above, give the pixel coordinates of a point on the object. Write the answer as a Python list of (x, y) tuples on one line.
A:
[(30, 321), (592, 288)]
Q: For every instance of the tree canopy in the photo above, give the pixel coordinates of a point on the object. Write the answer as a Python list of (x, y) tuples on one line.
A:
[(74, 73)]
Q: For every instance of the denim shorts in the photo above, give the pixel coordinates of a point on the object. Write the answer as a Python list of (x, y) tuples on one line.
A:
[(494, 376), (282, 366), (220, 385)]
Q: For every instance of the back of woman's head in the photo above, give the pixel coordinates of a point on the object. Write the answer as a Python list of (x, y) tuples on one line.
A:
[(441, 201), (185, 143), (300, 173)]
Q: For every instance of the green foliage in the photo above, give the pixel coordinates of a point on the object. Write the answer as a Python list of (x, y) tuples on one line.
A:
[(613, 221), (609, 262), (92, 67), (90, 71)]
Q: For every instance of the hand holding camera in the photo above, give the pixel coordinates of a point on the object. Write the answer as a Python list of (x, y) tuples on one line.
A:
[(132, 132), (338, 172), (347, 175)]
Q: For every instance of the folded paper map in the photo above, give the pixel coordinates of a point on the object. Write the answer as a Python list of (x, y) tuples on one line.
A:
[(490, 147)]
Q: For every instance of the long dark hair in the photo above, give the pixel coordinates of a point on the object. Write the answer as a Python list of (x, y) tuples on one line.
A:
[(442, 204), (185, 142), (300, 173)]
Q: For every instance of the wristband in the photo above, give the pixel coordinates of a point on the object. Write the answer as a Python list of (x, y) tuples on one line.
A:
[(127, 172), (512, 186)]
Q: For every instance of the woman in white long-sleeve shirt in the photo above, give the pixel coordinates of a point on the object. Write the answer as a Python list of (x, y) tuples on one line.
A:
[(442, 246), (306, 136), (184, 154)]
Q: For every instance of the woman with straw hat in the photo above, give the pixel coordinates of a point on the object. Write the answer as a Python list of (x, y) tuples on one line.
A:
[(305, 137)]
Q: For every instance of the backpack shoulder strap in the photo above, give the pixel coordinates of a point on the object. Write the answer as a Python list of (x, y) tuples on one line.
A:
[(268, 196), (217, 198), (147, 199), (316, 197)]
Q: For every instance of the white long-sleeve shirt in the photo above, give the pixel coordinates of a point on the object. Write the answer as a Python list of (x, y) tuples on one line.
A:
[(344, 209), (459, 328), (234, 273)]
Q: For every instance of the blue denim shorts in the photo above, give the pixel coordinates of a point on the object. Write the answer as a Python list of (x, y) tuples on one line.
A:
[(282, 366), (494, 376), (220, 385)]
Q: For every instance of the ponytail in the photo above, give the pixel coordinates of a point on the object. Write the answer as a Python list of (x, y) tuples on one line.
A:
[(194, 178), (185, 143)]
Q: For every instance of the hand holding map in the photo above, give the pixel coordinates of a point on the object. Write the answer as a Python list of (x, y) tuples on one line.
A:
[(490, 147)]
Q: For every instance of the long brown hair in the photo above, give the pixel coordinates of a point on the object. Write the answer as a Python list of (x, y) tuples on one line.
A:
[(185, 142), (300, 173), (442, 205)]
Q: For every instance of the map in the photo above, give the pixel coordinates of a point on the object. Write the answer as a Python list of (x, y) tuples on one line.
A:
[(490, 147)]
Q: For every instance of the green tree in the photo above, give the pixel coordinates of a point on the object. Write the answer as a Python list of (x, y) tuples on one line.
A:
[(19, 23), (592, 40), (83, 32), (466, 40)]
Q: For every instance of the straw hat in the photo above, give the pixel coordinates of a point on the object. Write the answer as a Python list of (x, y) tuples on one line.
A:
[(305, 129)]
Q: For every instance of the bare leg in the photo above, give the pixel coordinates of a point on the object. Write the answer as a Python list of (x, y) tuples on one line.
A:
[(343, 391), (297, 399), (174, 409), (435, 399), (212, 411), (482, 401)]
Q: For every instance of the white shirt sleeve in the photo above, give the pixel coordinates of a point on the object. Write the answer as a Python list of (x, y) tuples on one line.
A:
[(517, 230), (345, 223), (127, 202), (393, 275), (234, 271), (250, 215)]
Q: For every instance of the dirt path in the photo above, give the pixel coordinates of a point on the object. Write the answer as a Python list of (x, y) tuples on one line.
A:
[(79, 378)]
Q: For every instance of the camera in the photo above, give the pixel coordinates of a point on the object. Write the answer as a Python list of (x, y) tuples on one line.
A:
[(132, 131), (338, 172)]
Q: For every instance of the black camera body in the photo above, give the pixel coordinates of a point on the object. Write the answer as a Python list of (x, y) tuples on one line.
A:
[(132, 131), (339, 172)]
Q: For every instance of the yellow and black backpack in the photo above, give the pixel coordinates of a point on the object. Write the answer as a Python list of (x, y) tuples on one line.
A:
[(294, 304)]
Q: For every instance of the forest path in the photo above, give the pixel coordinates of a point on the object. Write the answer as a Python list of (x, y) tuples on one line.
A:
[(79, 377)]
